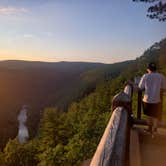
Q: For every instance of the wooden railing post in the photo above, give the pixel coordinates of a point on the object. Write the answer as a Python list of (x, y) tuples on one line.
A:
[(124, 99), (161, 97), (139, 104)]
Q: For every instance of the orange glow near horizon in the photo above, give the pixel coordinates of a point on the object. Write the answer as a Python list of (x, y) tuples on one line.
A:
[(7, 55), (95, 55)]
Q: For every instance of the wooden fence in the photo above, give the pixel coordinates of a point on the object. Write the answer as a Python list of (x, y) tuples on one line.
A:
[(113, 149)]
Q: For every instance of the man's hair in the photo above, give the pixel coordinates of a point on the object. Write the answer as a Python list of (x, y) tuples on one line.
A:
[(152, 66)]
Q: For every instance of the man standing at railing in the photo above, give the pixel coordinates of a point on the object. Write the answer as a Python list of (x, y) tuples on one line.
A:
[(152, 82)]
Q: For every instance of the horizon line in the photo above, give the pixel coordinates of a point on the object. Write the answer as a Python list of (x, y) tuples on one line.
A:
[(23, 60)]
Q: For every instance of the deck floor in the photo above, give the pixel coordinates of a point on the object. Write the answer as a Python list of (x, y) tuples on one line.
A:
[(152, 150)]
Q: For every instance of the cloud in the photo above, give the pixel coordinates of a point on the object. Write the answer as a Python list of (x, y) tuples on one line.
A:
[(28, 36), (12, 10)]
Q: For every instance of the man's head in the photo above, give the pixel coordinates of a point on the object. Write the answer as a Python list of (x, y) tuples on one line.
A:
[(151, 67)]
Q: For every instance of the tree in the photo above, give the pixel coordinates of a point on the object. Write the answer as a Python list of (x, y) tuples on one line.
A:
[(157, 10), (20, 154), (2, 162), (52, 156)]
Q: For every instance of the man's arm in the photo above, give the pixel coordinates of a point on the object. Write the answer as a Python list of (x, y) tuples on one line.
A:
[(141, 84)]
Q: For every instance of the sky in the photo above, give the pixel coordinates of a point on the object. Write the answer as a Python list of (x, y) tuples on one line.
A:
[(104, 31)]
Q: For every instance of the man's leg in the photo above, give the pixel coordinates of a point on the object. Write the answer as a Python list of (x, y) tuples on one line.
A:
[(155, 125), (150, 123)]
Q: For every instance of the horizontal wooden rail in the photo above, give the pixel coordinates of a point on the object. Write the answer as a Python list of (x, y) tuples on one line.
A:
[(105, 148), (114, 144), (145, 122)]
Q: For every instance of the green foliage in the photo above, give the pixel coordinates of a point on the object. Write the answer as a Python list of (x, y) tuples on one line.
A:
[(20, 154), (2, 156), (52, 156), (50, 127), (74, 135)]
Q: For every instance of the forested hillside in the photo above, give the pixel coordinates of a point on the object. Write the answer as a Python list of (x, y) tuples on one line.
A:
[(68, 138), (40, 84)]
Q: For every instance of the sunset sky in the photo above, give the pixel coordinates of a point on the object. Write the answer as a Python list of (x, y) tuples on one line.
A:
[(76, 30)]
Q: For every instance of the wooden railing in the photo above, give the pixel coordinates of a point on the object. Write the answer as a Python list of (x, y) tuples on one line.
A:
[(113, 148)]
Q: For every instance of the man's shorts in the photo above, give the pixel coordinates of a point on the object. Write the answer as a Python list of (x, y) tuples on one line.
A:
[(153, 110)]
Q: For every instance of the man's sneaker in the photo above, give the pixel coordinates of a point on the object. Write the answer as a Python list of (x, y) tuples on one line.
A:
[(149, 130), (154, 131)]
